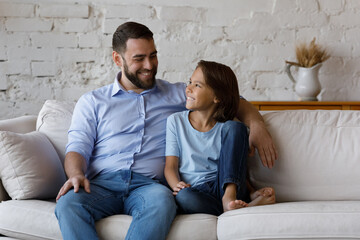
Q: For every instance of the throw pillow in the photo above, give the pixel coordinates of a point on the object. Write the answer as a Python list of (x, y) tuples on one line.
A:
[(29, 166), (54, 121)]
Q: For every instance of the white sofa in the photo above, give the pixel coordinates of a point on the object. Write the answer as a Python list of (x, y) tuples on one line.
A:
[(316, 178)]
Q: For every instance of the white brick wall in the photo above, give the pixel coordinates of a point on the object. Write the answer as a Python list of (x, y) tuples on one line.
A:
[(28, 25), (63, 11), (62, 49), (8, 9)]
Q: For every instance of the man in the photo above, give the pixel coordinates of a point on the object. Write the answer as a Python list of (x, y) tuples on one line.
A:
[(115, 153)]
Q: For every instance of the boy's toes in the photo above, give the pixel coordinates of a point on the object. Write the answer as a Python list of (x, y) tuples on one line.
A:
[(232, 205)]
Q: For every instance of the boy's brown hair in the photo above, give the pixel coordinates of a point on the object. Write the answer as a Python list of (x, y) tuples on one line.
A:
[(222, 80)]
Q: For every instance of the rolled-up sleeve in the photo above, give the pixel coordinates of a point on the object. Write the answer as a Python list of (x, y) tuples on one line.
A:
[(82, 131), (172, 146)]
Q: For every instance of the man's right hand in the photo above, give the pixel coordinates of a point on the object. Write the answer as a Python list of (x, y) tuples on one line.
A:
[(75, 182), (74, 165)]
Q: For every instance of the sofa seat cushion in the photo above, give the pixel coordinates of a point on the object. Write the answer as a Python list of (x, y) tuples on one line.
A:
[(194, 226), (29, 219), (294, 220), (35, 219)]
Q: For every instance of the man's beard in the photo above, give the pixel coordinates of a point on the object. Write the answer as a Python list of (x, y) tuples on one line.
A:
[(136, 81)]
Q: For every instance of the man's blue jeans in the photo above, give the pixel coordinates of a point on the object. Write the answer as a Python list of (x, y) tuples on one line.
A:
[(151, 205), (207, 197)]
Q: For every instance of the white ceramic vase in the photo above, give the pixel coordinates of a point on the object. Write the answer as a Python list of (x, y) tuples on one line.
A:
[(307, 85)]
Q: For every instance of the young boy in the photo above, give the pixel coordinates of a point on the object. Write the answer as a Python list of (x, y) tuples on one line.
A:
[(206, 151)]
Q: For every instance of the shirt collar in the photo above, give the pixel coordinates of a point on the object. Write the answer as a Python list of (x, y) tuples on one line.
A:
[(118, 88)]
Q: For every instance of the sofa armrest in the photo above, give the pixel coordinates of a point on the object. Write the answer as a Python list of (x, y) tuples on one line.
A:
[(23, 124)]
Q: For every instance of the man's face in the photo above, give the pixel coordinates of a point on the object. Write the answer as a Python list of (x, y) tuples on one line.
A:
[(139, 64)]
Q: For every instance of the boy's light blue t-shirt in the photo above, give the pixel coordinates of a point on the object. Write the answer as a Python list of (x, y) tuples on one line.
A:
[(198, 152)]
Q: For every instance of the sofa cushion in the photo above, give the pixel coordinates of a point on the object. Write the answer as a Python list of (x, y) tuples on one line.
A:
[(23, 124), (35, 219), (54, 120), (29, 219), (318, 159), (294, 220), (29, 166), (193, 226)]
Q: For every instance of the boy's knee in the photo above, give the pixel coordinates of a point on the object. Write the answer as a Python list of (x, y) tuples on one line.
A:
[(186, 199), (183, 200), (183, 195), (234, 127)]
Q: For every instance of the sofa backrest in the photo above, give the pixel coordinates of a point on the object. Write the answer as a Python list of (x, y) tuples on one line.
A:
[(319, 151), (319, 156), (23, 124)]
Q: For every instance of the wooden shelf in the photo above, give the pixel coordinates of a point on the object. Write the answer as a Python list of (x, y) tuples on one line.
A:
[(310, 105)]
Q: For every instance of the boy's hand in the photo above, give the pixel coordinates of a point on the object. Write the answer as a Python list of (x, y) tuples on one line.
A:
[(180, 185)]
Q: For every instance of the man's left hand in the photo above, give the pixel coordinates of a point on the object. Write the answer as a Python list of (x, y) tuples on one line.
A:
[(261, 139)]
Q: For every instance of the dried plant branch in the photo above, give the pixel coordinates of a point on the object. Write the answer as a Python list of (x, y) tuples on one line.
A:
[(308, 56), (293, 63)]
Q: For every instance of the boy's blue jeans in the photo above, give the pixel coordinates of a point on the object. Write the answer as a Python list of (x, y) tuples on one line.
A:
[(150, 203), (207, 197)]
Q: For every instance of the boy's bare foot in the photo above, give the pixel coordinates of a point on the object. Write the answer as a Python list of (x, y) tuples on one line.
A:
[(233, 204), (229, 200), (263, 196), (265, 192)]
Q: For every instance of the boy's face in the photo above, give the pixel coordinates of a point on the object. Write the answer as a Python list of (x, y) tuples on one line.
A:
[(199, 96)]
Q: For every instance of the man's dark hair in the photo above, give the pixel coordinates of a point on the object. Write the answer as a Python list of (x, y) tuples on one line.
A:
[(222, 80), (126, 31)]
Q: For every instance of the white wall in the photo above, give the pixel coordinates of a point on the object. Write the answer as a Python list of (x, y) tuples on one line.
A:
[(61, 49)]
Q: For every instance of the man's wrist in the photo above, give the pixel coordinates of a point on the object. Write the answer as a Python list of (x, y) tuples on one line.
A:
[(256, 124)]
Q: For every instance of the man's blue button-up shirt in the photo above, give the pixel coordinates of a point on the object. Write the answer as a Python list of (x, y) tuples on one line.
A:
[(115, 129)]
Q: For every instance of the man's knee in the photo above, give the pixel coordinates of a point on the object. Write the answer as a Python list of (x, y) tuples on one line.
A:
[(165, 198), (62, 206), (68, 204), (156, 199)]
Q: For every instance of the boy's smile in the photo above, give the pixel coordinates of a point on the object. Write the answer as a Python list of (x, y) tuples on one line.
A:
[(199, 96)]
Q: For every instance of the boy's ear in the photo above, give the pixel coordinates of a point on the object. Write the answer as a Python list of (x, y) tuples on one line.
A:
[(216, 100), (117, 58)]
